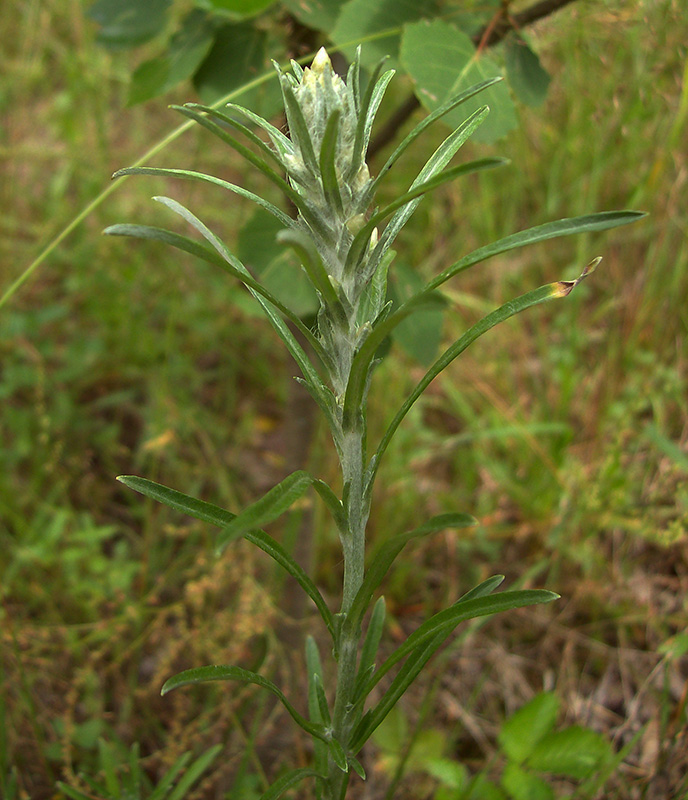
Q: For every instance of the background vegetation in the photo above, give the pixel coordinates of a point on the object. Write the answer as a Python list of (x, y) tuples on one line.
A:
[(565, 432)]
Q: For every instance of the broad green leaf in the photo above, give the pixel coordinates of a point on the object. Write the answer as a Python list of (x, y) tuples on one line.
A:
[(127, 23), (442, 61), (208, 512), (524, 729), (318, 14), (283, 784), (224, 672), (237, 56), (148, 80), (574, 752), (238, 9), (420, 334), (386, 553), (527, 77), (274, 264), (483, 789), (522, 785), (376, 25), (185, 51), (271, 506)]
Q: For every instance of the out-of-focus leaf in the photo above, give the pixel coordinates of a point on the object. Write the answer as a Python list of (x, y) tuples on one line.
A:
[(421, 333), (275, 264), (442, 61), (527, 77), (236, 57), (574, 752), (127, 23), (237, 9), (319, 14), (524, 729), (360, 19), (522, 785), (186, 50)]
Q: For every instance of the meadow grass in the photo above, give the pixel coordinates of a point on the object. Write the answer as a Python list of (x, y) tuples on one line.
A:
[(564, 431)]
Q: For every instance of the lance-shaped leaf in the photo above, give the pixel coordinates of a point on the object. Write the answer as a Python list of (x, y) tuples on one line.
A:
[(310, 259), (540, 295), (225, 672), (449, 105), (298, 127), (283, 784), (219, 259), (286, 220), (314, 221), (271, 506), (423, 643), (371, 643), (281, 142), (385, 555), (316, 712), (374, 92), (363, 359), (588, 223), (328, 171), (208, 512), (227, 119), (417, 191), (437, 161), (193, 773)]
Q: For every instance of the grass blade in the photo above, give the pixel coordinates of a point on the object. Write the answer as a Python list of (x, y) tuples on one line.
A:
[(199, 766), (283, 784)]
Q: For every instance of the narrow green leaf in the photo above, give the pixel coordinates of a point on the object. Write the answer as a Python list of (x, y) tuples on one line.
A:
[(186, 174), (283, 784), (223, 672), (75, 794), (371, 644), (321, 699), (163, 785), (314, 672), (281, 142), (418, 190), (437, 161), (328, 170), (439, 112), (227, 119), (338, 755), (109, 766), (310, 259), (364, 106), (385, 555), (424, 642), (484, 588), (271, 506), (207, 512), (509, 309), (372, 109), (363, 359), (461, 611), (299, 132), (194, 772), (588, 223), (333, 503)]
